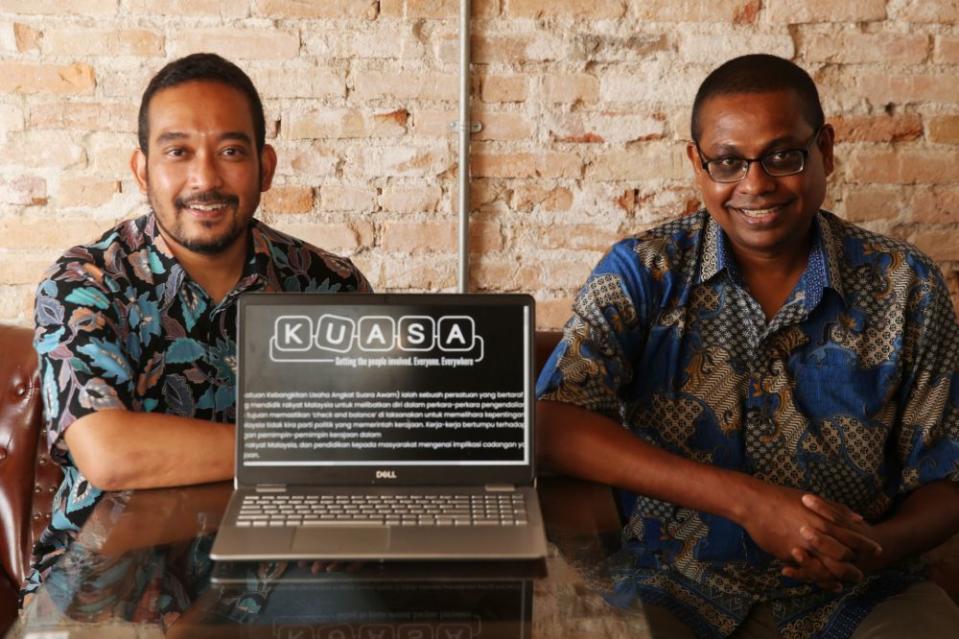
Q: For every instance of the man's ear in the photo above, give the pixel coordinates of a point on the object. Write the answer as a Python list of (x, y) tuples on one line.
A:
[(267, 167), (692, 152), (138, 165), (827, 138)]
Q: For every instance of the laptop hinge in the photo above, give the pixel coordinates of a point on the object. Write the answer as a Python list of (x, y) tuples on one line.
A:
[(271, 488), (500, 488)]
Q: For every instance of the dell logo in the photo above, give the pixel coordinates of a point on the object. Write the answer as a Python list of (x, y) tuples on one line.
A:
[(386, 474)]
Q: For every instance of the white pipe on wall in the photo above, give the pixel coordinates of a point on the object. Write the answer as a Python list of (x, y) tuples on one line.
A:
[(464, 129)]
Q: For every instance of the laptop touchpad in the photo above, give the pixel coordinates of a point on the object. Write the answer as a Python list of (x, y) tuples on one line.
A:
[(362, 541)]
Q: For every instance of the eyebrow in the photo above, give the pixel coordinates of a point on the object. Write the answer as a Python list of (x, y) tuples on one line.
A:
[(727, 148), (171, 136)]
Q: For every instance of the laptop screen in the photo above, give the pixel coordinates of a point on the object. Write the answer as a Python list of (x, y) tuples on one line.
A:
[(384, 388)]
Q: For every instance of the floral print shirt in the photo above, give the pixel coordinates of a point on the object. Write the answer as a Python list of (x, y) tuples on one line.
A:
[(120, 324)]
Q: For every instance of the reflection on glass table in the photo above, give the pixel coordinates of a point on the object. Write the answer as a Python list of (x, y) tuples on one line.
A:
[(140, 568)]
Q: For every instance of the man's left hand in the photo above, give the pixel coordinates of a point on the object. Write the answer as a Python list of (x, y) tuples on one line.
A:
[(830, 562)]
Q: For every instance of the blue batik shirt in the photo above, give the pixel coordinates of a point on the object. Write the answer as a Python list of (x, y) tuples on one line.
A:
[(120, 324), (849, 392)]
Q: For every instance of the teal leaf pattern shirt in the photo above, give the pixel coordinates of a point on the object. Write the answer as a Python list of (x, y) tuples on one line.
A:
[(120, 324)]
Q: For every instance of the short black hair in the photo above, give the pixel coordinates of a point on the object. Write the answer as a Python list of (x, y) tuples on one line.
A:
[(758, 73), (204, 67)]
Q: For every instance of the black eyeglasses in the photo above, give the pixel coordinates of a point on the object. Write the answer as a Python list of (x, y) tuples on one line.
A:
[(775, 163)]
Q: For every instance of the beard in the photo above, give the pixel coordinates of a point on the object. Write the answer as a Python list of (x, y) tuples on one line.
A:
[(209, 245)]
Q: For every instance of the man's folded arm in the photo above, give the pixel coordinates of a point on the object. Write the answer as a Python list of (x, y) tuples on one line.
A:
[(117, 449), (586, 444)]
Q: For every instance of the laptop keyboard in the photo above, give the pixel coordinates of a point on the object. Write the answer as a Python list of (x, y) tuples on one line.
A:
[(383, 510)]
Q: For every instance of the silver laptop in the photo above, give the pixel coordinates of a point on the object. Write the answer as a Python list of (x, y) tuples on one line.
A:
[(384, 427)]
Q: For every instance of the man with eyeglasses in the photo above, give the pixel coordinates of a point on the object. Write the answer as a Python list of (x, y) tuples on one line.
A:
[(788, 387)]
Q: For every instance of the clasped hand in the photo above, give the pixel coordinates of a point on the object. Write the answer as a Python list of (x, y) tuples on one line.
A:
[(821, 541)]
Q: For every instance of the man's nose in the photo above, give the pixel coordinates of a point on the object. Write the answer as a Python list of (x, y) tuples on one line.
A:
[(757, 180), (204, 173)]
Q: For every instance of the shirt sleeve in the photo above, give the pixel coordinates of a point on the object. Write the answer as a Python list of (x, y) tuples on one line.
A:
[(928, 437), (78, 338), (593, 362)]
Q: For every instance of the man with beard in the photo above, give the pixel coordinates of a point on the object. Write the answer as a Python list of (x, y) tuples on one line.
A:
[(775, 387), (136, 332)]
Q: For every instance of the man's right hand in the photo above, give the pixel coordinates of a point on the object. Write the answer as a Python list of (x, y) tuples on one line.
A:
[(821, 550)]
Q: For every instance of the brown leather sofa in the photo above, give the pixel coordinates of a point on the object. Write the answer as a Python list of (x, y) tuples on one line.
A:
[(28, 478)]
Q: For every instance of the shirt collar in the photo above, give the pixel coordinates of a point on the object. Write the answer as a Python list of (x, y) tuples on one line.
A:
[(255, 269), (822, 270)]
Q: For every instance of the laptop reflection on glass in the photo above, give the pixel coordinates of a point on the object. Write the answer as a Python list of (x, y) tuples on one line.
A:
[(384, 427)]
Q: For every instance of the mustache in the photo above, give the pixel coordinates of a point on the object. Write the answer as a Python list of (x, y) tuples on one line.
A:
[(210, 197)]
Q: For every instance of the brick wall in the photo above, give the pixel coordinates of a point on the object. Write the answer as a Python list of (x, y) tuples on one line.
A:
[(584, 103)]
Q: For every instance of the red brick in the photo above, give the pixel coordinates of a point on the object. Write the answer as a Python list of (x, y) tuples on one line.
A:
[(592, 9), (697, 47), (507, 165), (572, 88), (718, 11), (16, 304), (882, 88), (934, 11), (54, 233), (405, 160), (433, 123), (877, 128), (939, 244), (489, 273), (935, 205), (315, 160), (903, 167), (101, 42), (299, 82), (401, 85), (85, 116), (606, 127), (410, 199), (85, 191), (851, 47), (436, 8), (25, 267), (343, 197), (485, 237), (27, 190), (288, 198), (345, 123), (84, 8), (947, 50), (178, 8), (569, 274), (235, 43), (311, 9), (656, 81), (538, 196), (419, 237), (578, 237), (655, 160), (11, 118), (537, 46), (873, 203), (503, 126), (42, 149), (29, 78), (944, 129), (344, 238), (504, 88), (553, 313), (803, 11)]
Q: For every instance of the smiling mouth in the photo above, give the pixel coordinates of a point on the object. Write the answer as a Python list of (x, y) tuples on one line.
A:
[(206, 210), (759, 215)]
